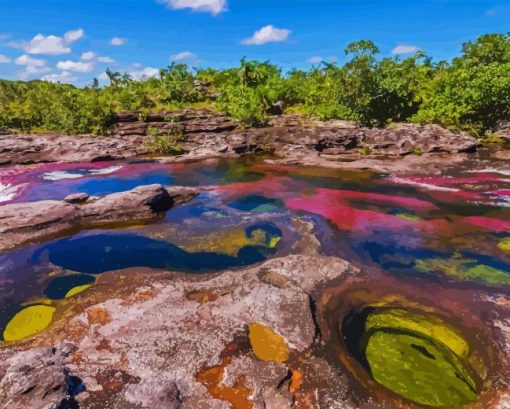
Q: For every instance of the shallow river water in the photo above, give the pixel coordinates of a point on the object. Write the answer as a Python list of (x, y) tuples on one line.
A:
[(449, 231)]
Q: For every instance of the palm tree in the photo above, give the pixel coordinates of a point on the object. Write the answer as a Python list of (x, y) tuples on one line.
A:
[(113, 76)]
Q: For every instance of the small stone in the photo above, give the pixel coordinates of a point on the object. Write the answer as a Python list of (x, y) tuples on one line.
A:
[(76, 198), (273, 278)]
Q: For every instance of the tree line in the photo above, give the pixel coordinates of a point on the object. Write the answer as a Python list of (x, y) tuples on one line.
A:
[(471, 92)]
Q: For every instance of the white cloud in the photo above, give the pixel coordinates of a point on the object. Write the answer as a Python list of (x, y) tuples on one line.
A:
[(29, 61), (492, 12), (267, 34), (31, 70), (147, 72), (4, 59), (62, 77), (405, 49), (103, 76), (105, 59), (89, 55), (214, 7), (137, 65), (51, 45), (78, 66), (316, 60), (73, 35), (117, 41), (184, 55)]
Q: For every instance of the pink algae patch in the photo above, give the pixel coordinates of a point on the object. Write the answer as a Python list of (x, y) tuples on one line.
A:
[(488, 223), (334, 206), (502, 192), (270, 186), (452, 181), (408, 202)]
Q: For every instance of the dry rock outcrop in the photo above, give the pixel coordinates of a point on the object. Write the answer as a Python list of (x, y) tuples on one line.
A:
[(21, 223)]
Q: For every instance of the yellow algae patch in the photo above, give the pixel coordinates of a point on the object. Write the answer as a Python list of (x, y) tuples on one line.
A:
[(273, 242), (77, 290), (504, 245), (28, 321), (230, 242), (426, 325), (266, 344)]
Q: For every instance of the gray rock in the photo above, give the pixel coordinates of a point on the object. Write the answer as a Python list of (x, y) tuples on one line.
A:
[(27, 222), (76, 198)]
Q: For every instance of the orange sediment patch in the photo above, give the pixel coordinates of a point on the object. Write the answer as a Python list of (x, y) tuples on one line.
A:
[(296, 380), (266, 344), (98, 315), (202, 296), (212, 377), (103, 345), (141, 296)]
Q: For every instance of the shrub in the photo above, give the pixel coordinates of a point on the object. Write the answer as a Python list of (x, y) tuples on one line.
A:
[(165, 143)]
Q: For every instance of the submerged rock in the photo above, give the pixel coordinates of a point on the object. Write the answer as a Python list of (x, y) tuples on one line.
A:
[(27, 222)]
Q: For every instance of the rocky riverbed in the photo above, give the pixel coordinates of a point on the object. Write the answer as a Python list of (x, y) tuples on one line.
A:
[(375, 276)]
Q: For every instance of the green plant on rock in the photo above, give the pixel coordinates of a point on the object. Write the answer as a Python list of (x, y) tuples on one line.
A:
[(365, 150), (416, 150), (166, 143)]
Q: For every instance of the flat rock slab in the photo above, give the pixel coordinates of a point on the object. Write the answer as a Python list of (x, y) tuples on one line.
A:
[(147, 348), (21, 223), (35, 148)]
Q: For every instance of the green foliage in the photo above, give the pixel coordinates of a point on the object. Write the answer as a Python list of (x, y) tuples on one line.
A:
[(165, 143), (494, 139), (416, 150), (244, 104), (471, 93)]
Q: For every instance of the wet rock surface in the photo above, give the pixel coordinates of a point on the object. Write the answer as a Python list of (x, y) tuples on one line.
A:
[(28, 222)]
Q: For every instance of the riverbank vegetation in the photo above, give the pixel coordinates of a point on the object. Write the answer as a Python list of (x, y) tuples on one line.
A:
[(471, 92)]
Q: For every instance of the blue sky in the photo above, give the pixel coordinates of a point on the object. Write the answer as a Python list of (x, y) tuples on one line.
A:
[(74, 41)]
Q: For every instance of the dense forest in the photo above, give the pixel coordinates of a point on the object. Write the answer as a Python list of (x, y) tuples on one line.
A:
[(471, 92)]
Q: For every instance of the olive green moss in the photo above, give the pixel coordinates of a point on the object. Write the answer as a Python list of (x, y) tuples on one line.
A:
[(417, 356)]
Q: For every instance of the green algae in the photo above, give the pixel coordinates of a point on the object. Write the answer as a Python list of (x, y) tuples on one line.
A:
[(410, 217), (419, 369), (464, 269), (417, 356), (429, 326), (264, 208)]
